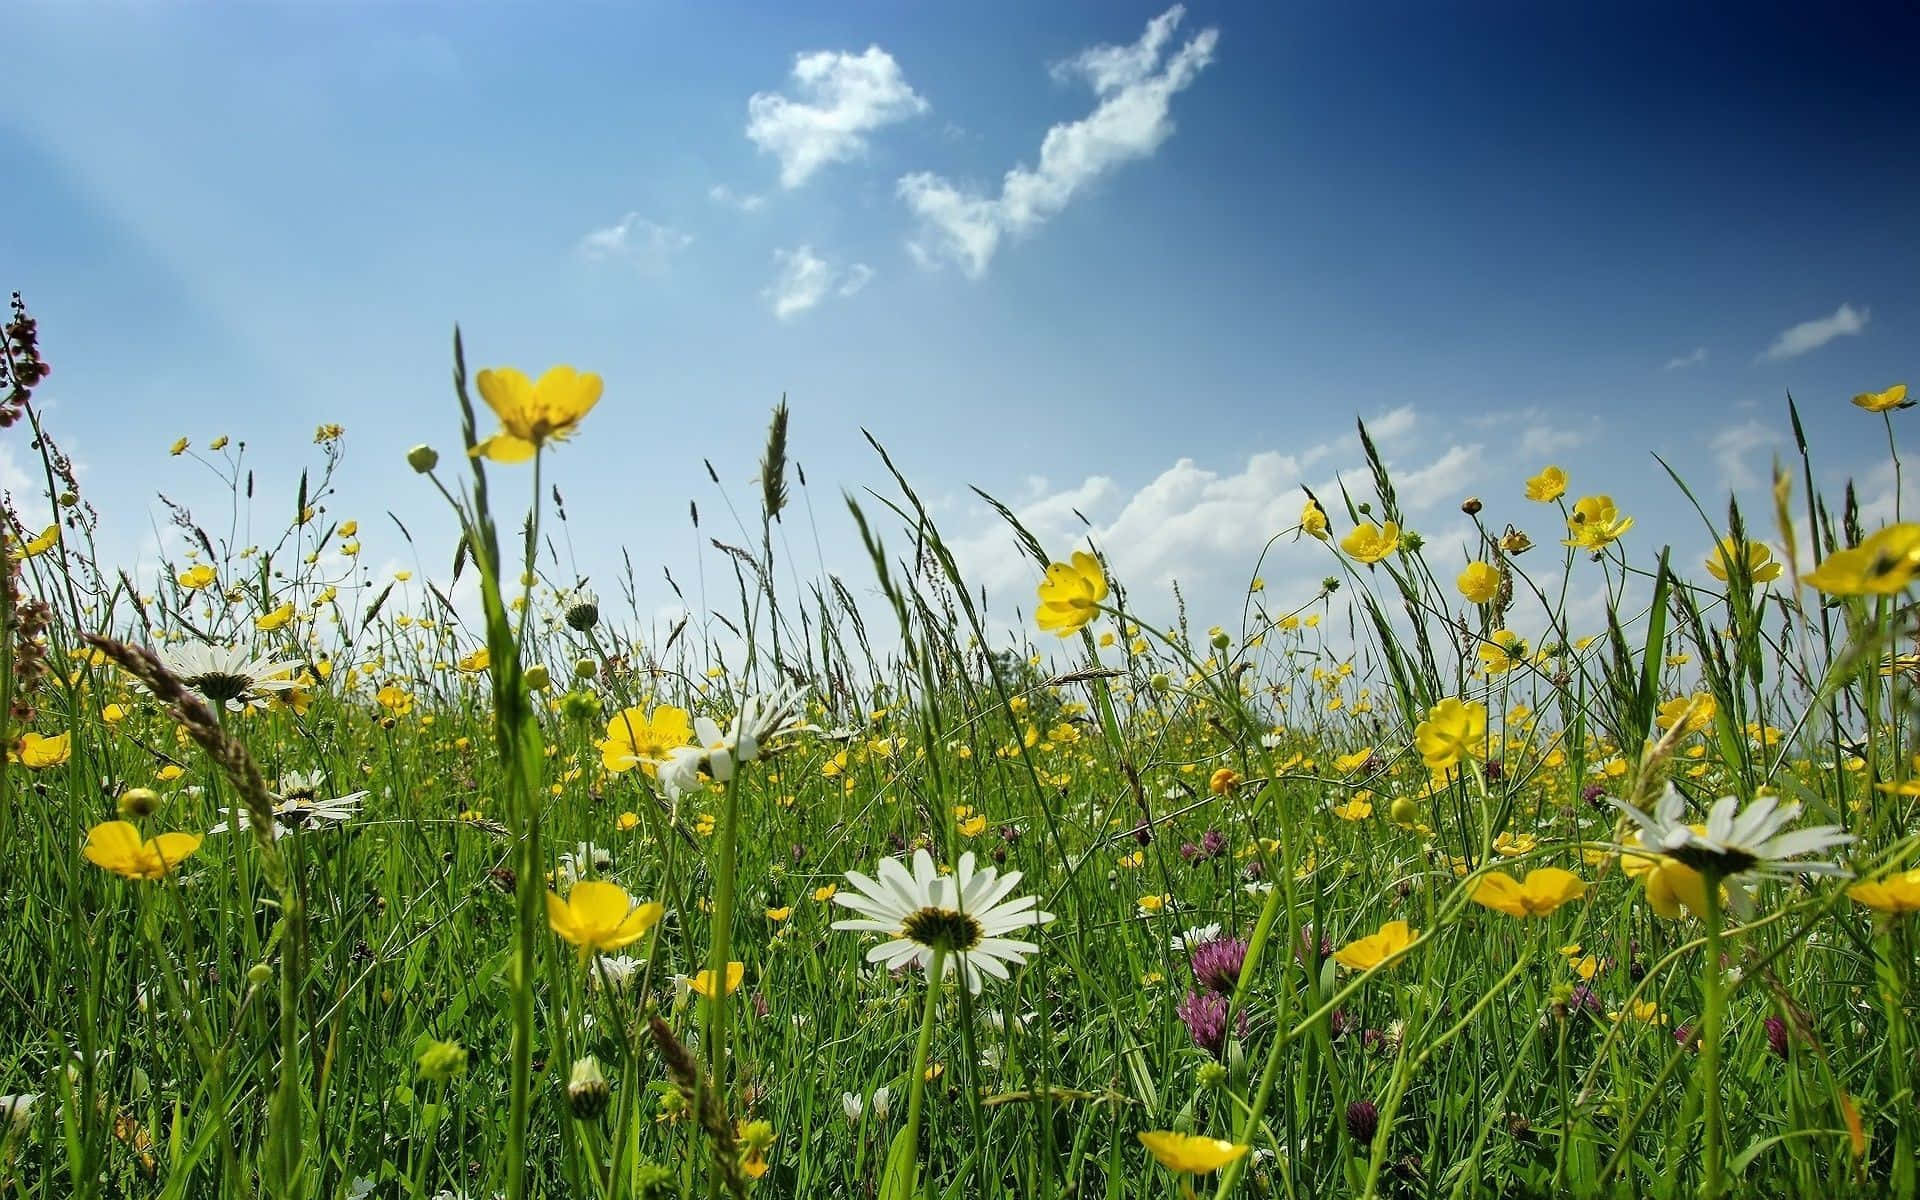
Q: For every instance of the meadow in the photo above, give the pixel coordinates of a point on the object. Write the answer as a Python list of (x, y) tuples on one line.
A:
[(1406, 886)]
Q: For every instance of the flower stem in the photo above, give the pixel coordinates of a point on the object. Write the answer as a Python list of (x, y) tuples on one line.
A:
[(721, 953), (917, 1085), (1713, 1016)]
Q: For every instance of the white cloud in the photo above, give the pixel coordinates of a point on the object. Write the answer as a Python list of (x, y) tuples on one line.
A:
[(846, 97), (1684, 361), (648, 245), (1136, 86), (1731, 448), (804, 279), (726, 197), (1811, 335)]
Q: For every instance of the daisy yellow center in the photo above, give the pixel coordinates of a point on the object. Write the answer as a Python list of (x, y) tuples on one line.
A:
[(943, 929)]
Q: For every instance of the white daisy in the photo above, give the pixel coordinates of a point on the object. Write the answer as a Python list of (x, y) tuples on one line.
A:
[(762, 721), (964, 915), (1738, 845), (615, 972), (229, 675), (1195, 937), (297, 806)]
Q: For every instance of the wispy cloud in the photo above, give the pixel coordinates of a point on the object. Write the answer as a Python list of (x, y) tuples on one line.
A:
[(1136, 85), (1811, 335), (804, 279), (647, 245), (726, 197), (845, 97), (1684, 361), (1732, 446)]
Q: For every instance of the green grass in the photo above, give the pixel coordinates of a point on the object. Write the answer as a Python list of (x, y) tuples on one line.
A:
[(255, 1023)]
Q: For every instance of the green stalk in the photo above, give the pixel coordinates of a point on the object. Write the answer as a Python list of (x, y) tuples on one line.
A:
[(722, 953), (917, 1085), (1713, 1016)]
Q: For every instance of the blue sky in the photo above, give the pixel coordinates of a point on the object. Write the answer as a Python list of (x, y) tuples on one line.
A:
[(1513, 235)]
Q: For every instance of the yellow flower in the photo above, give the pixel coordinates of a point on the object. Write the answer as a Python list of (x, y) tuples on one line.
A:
[(1368, 952), (49, 537), (349, 528), (1502, 652), (1539, 894), (1670, 885), (39, 753), (1549, 485), (1894, 397), (477, 661), (395, 699), (597, 915), (1880, 566), (974, 826), (1313, 520), (170, 772), (1070, 594), (268, 622), (1370, 543), (627, 822), (1223, 781), (113, 714), (1479, 583), (1897, 894), (179, 448), (1641, 1010), (825, 892), (1696, 712), (1595, 523), (1357, 809), (197, 576), (118, 847), (532, 414), (1189, 1153), (1761, 567), (636, 737), (703, 982), (1454, 729), (780, 914)]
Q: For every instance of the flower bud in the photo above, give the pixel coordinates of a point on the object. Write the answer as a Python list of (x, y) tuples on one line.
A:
[(1160, 682), (441, 1061), (537, 677), (139, 802), (1470, 506), (1222, 640), (259, 974), (585, 668), (423, 458), (1405, 812), (587, 1089)]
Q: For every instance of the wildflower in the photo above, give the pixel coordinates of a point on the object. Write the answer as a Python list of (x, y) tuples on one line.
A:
[(478, 660), (1502, 652), (756, 1138), (702, 983), (1189, 1153), (395, 699), (1217, 964), (138, 802), (1479, 583), (963, 916), (762, 721), (1369, 543), (196, 577), (17, 1111), (1070, 595), (1761, 567), (1736, 844), (597, 915), (1205, 1016), (1359, 808), (423, 458), (1549, 485), (636, 737), (1595, 523), (1454, 729), (534, 413), (179, 447), (1539, 894), (583, 611), (615, 972), (1880, 566), (37, 753), (1363, 1120), (1223, 781), (118, 847), (36, 546), (267, 622), (1391, 941), (298, 806), (1313, 520), (1194, 937), (1776, 1031), (226, 675), (1895, 895), (1879, 402), (1694, 713)]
